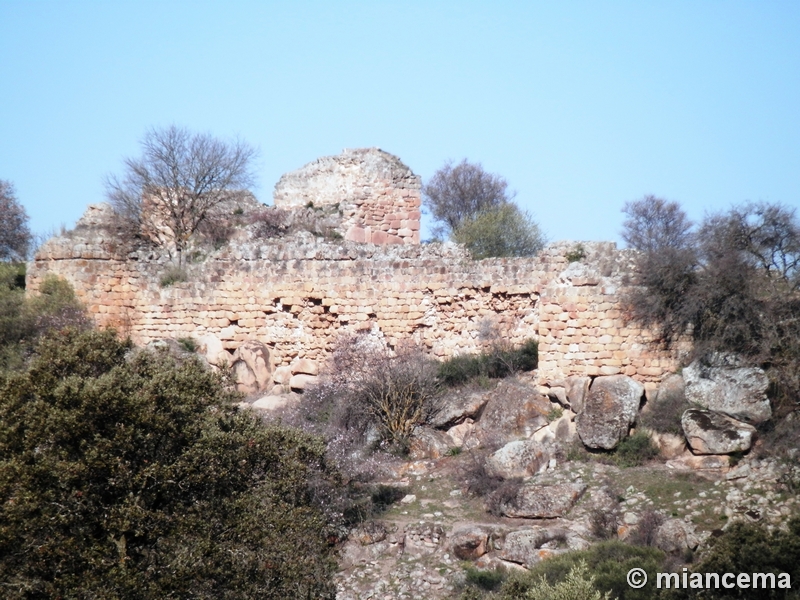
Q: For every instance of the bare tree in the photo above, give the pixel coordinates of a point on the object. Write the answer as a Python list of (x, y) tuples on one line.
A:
[(654, 224), (734, 286), (456, 192), (180, 183), (15, 235)]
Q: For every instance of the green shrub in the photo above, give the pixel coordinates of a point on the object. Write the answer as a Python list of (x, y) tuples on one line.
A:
[(173, 275), (497, 362), (189, 344), (752, 548), (577, 585), (555, 414), (608, 562), (499, 231), (458, 370), (635, 450), (23, 320), (126, 475), (488, 580), (577, 254)]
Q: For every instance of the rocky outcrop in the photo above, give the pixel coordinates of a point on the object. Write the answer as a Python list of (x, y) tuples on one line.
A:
[(252, 365), (469, 542), (609, 411), (520, 458), (710, 432), (537, 501), (514, 411), (524, 546), (723, 384), (676, 536), (429, 443), (457, 406)]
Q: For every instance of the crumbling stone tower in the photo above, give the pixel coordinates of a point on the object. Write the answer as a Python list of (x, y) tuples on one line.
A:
[(378, 195)]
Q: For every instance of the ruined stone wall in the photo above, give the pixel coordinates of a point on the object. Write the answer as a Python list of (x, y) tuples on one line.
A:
[(377, 195), (297, 296), (582, 325)]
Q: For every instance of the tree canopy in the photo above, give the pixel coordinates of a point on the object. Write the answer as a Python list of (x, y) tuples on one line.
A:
[(126, 474), (500, 231), (180, 183), (457, 192), (15, 235)]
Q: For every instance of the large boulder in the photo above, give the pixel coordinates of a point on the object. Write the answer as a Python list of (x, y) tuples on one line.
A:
[(525, 546), (460, 434), (429, 443), (271, 403), (458, 406), (537, 501), (519, 458), (609, 411), (577, 388), (305, 366), (676, 536), (252, 365), (469, 542), (302, 381), (515, 410), (710, 432), (725, 385)]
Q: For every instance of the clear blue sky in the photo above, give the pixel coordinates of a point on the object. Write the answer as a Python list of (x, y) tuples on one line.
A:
[(580, 105)]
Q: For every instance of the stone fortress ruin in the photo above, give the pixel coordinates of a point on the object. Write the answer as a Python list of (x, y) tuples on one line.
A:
[(290, 297)]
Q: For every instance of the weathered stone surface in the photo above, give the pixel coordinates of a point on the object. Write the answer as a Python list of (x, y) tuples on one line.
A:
[(669, 445), (369, 532), (301, 381), (253, 366), (712, 463), (270, 403), (520, 458), (457, 406), (710, 432), (282, 376), (536, 501), (377, 195), (514, 410), (609, 411), (469, 542), (577, 388), (558, 394), (211, 347), (304, 366), (529, 546), (671, 388), (727, 387), (423, 538), (460, 433), (677, 536), (429, 443)]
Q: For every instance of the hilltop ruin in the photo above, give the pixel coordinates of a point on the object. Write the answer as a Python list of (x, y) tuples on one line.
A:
[(295, 294)]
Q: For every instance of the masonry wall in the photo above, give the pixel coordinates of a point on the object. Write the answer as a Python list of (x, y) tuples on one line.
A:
[(297, 297), (378, 196)]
